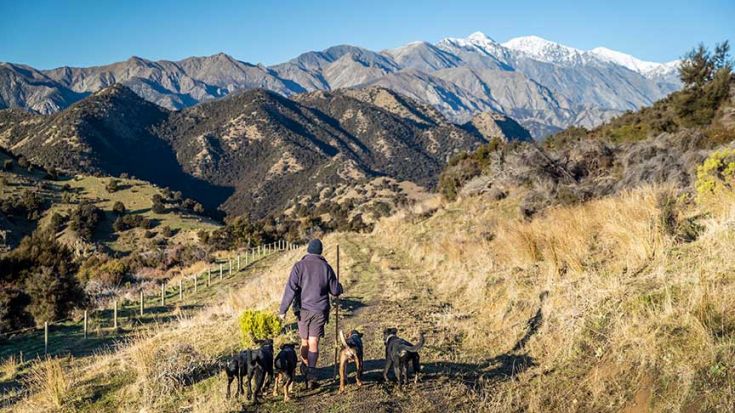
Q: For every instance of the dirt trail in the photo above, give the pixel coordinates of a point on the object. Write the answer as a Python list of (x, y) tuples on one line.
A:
[(379, 294)]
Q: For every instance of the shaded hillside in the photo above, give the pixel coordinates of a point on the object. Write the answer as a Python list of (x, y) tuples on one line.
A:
[(107, 133), (271, 149)]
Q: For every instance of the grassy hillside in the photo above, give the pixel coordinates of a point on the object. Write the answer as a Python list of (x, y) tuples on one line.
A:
[(62, 195), (594, 307)]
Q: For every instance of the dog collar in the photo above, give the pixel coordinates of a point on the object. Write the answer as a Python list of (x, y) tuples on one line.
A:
[(389, 336)]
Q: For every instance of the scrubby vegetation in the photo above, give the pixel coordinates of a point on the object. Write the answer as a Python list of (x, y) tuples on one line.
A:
[(84, 220), (38, 283), (256, 324), (707, 78)]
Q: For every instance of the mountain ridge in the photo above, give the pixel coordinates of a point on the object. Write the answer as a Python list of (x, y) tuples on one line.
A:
[(254, 150), (583, 88)]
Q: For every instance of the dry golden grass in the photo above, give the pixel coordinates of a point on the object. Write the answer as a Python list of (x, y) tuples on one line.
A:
[(630, 312), (50, 385), (631, 318), (10, 367)]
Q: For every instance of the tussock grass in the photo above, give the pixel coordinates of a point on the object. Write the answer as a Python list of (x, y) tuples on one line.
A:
[(50, 385), (631, 311), (10, 367)]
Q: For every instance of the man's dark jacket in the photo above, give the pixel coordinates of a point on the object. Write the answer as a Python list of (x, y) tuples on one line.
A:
[(314, 279)]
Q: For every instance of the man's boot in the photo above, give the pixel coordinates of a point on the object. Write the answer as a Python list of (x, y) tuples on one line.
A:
[(311, 382)]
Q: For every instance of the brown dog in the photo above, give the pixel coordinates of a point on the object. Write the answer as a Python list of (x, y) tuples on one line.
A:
[(352, 350)]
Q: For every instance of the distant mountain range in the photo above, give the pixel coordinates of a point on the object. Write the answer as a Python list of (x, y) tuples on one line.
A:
[(252, 151), (544, 85)]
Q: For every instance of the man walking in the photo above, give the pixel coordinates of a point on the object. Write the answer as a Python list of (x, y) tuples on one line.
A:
[(312, 280)]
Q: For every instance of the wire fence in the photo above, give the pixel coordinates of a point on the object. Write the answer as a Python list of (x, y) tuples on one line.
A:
[(108, 318)]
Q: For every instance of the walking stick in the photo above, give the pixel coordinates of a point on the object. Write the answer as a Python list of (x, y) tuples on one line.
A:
[(336, 321)]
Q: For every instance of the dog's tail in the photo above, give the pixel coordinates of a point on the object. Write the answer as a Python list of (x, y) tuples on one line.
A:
[(342, 339), (418, 346)]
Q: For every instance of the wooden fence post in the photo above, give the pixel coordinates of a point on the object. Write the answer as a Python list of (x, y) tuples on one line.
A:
[(163, 295), (85, 323), (114, 315), (141, 303), (45, 338), (238, 262), (220, 272), (181, 289), (229, 261)]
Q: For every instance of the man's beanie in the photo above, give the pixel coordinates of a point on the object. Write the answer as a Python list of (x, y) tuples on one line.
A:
[(315, 247)]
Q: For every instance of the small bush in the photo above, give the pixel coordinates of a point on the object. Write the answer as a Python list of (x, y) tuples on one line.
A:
[(8, 165), (258, 324), (716, 174), (159, 208), (85, 220), (167, 232), (119, 208), (23, 163)]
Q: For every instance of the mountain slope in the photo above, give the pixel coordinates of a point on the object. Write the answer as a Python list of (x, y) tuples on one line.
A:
[(109, 132), (544, 85), (251, 152), (271, 149)]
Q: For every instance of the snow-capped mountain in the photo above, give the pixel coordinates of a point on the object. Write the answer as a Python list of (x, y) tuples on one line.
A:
[(552, 52), (547, 51), (646, 68), (544, 85)]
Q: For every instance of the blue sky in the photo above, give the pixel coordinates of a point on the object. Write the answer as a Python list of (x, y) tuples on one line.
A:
[(47, 34)]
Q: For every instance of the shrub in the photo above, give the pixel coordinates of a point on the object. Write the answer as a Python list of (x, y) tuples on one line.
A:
[(716, 174), (38, 279), (167, 232), (56, 224), (118, 208), (8, 165), (113, 186), (465, 166), (126, 222), (85, 219), (23, 162), (258, 324), (159, 208)]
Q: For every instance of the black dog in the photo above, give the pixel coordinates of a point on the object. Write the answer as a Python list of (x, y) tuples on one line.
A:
[(284, 367), (352, 350), (251, 363), (398, 353)]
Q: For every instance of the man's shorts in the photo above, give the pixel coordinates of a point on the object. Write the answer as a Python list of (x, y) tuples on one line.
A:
[(311, 324)]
